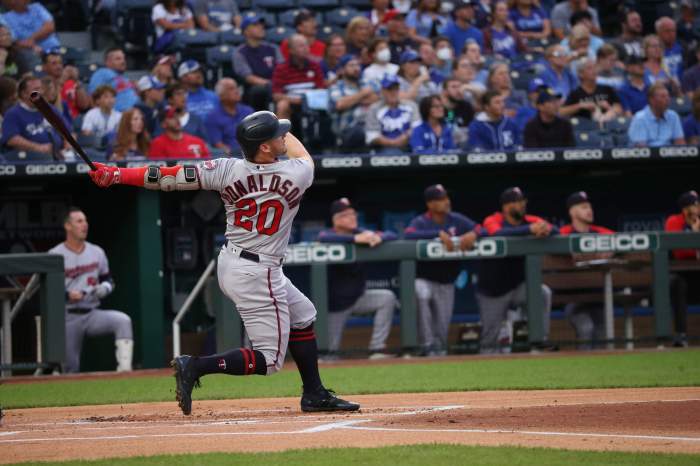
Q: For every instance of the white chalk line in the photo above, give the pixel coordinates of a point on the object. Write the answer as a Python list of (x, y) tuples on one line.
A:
[(525, 432)]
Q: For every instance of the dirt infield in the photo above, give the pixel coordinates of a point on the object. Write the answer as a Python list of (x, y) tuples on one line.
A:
[(657, 419)]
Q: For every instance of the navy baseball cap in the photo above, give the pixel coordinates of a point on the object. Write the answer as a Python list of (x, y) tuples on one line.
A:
[(513, 194), (434, 192), (408, 56), (345, 59), (579, 197), (187, 66), (340, 205), (149, 82), (535, 85), (248, 20), (688, 199), (389, 80), (546, 94)]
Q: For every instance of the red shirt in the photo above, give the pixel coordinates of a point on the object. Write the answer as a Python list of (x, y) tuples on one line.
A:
[(189, 147), (318, 49), (287, 78), (569, 230), (677, 223), (68, 92)]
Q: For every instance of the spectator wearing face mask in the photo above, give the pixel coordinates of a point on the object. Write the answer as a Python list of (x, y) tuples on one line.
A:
[(381, 64), (444, 55)]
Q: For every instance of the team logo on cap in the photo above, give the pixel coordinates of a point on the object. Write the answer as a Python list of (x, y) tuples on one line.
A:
[(222, 364)]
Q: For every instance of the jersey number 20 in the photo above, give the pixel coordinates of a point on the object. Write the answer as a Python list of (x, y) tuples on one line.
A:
[(247, 208)]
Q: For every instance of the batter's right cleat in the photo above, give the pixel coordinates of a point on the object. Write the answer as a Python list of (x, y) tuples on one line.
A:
[(325, 400), (185, 382)]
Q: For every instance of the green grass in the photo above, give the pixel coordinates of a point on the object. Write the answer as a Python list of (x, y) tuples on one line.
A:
[(654, 369), (414, 455)]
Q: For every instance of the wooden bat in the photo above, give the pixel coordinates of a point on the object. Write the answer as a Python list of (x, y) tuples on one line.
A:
[(57, 122)]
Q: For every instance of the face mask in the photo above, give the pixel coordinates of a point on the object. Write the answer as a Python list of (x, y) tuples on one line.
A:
[(444, 53), (384, 55)]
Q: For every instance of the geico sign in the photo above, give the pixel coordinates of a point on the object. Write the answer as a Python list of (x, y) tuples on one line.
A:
[(535, 156), (483, 248), (390, 161), (678, 152), (633, 153), (319, 253), (619, 242), (583, 154), (491, 157), (341, 162), (449, 159), (82, 168), (7, 170), (46, 169)]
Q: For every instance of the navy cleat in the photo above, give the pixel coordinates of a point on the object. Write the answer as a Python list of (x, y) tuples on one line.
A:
[(185, 382), (325, 400)]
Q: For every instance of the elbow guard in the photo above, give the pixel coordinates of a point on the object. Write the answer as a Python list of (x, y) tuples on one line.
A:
[(180, 178)]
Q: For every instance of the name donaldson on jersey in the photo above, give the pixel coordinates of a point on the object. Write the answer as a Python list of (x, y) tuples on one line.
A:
[(260, 183)]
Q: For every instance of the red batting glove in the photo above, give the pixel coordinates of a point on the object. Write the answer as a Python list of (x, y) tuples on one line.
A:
[(105, 175)]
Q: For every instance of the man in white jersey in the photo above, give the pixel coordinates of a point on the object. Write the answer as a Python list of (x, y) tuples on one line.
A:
[(261, 195), (88, 281)]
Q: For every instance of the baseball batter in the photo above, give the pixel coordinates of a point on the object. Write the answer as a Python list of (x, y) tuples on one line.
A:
[(261, 195)]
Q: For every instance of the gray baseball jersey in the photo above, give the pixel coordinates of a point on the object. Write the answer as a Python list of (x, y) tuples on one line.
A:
[(261, 200), (83, 272)]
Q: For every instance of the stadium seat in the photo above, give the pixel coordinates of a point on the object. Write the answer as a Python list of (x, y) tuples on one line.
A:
[(621, 140), (274, 4), (584, 124), (86, 70), (341, 16), (278, 34), (193, 43), (363, 5), (134, 24), (319, 4), (287, 18), (86, 140), (244, 4), (326, 31), (607, 140), (681, 105), (24, 156), (269, 18), (618, 125), (218, 63), (539, 44), (521, 78), (588, 139), (74, 56), (231, 37)]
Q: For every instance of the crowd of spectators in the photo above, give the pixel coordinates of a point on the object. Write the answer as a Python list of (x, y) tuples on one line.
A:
[(424, 77)]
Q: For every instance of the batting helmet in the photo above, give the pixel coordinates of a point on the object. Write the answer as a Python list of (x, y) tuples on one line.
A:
[(257, 128)]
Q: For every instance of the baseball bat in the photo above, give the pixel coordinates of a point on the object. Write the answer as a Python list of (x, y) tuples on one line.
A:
[(57, 122)]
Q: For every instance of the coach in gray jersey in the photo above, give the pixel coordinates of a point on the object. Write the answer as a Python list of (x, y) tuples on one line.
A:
[(87, 281)]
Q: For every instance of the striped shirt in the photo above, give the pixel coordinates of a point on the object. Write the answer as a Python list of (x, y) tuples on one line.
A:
[(290, 79)]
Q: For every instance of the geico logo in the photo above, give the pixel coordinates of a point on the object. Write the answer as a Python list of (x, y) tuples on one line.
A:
[(451, 159), (591, 154), (7, 170), (633, 153), (390, 161), (542, 156), (485, 247), (493, 157), (678, 152), (621, 242), (341, 162), (48, 169), (321, 253)]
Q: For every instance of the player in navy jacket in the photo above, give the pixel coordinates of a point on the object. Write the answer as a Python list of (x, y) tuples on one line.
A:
[(435, 280), (491, 130), (346, 283), (501, 284)]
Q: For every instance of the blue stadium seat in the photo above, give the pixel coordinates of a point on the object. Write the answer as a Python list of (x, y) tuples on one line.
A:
[(319, 4), (13, 156), (269, 18), (193, 43), (219, 63), (87, 141), (539, 44), (326, 31), (363, 5), (588, 139), (521, 78), (681, 105), (287, 18), (244, 4), (341, 16), (279, 33), (74, 56), (134, 25), (621, 140), (618, 125), (274, 4), (584, 124), (86, 70), (231, 37)]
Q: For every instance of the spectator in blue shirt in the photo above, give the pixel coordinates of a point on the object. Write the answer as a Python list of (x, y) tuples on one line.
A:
[(433, 136), (491, 130), (655, 67), (435, 280), (633, 93), (531, 21), (656, 125), (499, 80), (673, 52), (390, 121), (348, 294), (112, 74), (33, 30), (200, 100), (222, 122), (557, 73), (501, 38), (460, 28), (425, 20), (691, 125)]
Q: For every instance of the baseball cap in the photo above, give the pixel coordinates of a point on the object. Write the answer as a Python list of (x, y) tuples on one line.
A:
[(303, 15), (149, 82), (393, 14), (187, 66), (546, 94), (340, 205), (579, 197), (345, 59), (408, 56), (513, 194), (434, 192), (248, 20), (535, 85), (389, 80), (687, 199)]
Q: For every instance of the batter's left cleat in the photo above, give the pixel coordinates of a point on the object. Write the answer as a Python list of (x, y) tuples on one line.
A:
[(325, 400), (185, 381)]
